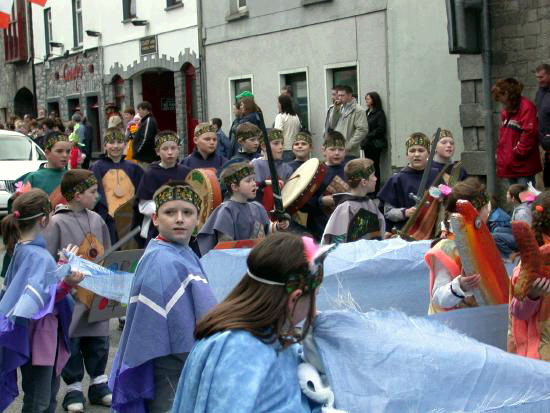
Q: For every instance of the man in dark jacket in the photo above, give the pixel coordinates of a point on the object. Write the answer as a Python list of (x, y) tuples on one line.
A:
[(542, 101), (144, 142)]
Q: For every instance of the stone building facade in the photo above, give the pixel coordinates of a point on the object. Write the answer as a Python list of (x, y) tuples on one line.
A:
[(520, 41)]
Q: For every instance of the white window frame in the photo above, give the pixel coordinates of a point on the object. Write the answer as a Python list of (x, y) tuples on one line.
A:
[(282, 83), (241, 8), (231, 84), (78, 25), (328, 79)]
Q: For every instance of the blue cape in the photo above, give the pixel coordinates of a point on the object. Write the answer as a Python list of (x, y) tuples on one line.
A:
[(169, 293)]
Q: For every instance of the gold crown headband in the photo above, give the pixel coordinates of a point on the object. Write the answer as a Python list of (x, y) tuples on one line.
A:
[(80, 187), (275, 134), (178, 193), (204, 129), (53, 138), (114, 136), (303, 137), (248, 134), (418, 139), (334, 142), (237, 176), (361, 174), (159, 140)]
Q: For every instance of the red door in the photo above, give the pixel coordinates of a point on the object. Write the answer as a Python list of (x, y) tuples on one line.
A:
[(158, 89), (190, 104)]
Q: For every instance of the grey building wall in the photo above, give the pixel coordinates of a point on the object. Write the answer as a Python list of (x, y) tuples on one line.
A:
[(520, 41)]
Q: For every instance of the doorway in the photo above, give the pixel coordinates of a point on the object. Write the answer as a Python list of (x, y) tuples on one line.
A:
[(92, 114), (73, 105), (53, 108), (158, 89), (23, 102)]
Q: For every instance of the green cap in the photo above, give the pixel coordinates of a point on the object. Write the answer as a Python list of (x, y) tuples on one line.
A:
[(245, 94)]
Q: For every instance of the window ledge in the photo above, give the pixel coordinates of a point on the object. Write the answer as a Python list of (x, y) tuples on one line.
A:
[(77, 48), (174, 6), (241, 14), (310, 2), (128, 20)]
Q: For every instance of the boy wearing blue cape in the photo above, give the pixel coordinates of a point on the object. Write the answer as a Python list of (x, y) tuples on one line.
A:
[(170, 292)]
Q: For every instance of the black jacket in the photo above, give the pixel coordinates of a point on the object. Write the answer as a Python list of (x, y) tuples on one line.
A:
[(144, 141), (376, 137)]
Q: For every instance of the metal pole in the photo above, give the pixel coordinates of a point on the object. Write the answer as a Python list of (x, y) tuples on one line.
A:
[(490, 147)]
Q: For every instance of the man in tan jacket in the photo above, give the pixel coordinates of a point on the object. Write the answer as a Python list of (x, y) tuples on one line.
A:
[(350, 119)]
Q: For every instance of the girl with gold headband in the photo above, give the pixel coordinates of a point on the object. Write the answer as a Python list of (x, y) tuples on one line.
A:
[(170, 292)]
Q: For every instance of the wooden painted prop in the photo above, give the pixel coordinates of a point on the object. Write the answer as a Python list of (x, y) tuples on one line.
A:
[(479, 254), (123, 217), (205, 183), (336, 186), (535, 260), (89, 249), (118, 188), (302, 184), (424, 224), (244, 243)]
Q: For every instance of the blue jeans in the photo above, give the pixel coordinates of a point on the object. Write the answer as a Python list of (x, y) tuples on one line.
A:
[(40, 386), (506, 243)]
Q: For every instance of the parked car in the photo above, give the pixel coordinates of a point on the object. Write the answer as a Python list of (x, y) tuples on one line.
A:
[(18, 155)]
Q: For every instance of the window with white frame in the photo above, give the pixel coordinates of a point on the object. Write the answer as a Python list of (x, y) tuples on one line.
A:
[(343, 76), (128, 9), (238, 86), (48, 29), (241, 5), (173, 3), (78, 30)]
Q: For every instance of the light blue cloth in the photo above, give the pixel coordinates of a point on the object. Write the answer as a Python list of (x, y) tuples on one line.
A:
[(386, 362), (235, 372)]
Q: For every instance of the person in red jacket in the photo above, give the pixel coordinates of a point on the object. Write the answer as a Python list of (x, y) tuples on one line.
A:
[(518, 157)]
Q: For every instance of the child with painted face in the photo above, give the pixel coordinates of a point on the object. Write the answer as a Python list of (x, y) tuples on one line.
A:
[(170, 292), (248, 341), (34, 310), (167, 147), (78, 225), (261, 165), (399, 206), (301, 147), (449, 287), (240, 217), (204, 155), (443, 157), (356, 216), (117, 179)]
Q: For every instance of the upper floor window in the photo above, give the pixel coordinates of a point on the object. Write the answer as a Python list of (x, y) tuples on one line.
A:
[(128, 9), (173, 3), (78, 30), (48, 29), (15, 39), (241, 4)]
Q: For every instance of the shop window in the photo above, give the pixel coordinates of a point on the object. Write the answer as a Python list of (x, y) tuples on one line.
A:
[(344, 76), (128, 9), (238, 86), (78, 31), (15, 43), (48, 29), (298, 84)]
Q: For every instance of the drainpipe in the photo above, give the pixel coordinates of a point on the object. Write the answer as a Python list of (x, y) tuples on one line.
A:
[(202, 61), (31, 48), (490, 147)]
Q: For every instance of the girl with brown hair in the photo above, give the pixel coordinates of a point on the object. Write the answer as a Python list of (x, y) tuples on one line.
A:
[(246, 357), (518, 157), (34, 313), (251, 112), (449, 288)]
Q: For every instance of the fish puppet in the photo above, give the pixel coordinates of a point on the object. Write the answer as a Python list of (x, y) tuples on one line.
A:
[(479, 254), (535, 260)]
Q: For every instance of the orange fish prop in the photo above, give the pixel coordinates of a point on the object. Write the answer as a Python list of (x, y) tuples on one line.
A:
[(535, 261), (479, 253)]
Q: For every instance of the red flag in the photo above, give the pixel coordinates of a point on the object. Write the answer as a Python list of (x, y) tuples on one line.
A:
[(5, 13), (39, 2)]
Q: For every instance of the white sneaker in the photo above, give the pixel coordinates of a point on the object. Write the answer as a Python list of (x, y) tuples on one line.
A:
[(75, 408), (107, 400)]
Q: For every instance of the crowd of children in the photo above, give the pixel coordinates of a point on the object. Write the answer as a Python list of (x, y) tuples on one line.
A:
[(171, 304)]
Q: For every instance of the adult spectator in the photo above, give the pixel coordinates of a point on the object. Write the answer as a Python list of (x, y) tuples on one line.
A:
[(288, 121), (250, 112), (375, 141), (542, 102), (350, 119), (518, 156), (144, 142), (287, 90), (223, 146), (333, 98)]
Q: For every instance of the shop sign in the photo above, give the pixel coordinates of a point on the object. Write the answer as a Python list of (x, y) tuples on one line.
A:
[(148, 45), (168, 104), (72, 72)]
